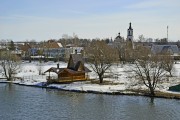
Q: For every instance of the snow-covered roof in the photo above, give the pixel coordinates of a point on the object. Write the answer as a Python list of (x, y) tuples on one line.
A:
[(162, 48), (60, 45)]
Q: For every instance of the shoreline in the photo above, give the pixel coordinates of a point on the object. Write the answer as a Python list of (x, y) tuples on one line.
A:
[(144, 93)]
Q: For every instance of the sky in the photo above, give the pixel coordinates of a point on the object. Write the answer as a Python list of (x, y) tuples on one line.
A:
[(39, 20)]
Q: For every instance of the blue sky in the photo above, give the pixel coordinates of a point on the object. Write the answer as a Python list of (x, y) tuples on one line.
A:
[(49, 19)]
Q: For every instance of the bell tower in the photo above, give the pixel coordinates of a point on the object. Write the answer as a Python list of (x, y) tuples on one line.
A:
[(130, 33)]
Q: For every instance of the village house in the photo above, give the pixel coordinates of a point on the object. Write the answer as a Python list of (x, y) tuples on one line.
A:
[(75, 71), (49, 50), (53, 50), (172, 49), (24, 47), (71, 49)]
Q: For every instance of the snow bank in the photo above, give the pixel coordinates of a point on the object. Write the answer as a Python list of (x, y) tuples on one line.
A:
[(89, 87), (121, 75)]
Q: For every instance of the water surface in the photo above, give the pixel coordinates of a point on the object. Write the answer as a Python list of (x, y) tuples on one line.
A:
[(29, 103)]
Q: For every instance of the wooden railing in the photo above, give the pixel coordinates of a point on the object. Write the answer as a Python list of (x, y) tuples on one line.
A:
[(67, 79), (51, 78)]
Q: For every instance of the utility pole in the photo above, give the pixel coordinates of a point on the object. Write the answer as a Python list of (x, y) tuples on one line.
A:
[(167, 33)]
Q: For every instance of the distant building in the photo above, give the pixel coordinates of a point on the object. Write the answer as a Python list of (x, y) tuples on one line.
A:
[(49, 50), (130, 33), (77, 49), (129, 39), (72, 50), (119, 42), (70, 45), (53, 49), (118, 39), (160, 49), (25, 47)]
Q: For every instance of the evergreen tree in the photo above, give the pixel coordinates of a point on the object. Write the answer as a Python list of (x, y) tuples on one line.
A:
[(11, 45)]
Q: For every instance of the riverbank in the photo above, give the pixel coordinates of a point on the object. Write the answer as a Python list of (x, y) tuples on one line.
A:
[(105, 89), (120, 80)]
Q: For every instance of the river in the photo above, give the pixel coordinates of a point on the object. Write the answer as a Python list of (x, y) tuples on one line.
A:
[(30, 103)]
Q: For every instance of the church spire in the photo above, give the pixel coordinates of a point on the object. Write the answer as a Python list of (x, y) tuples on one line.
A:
[(130, 36), (130, 26), (130, 33)]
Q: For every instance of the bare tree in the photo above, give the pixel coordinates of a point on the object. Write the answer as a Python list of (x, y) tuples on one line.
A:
[(40, 51), (47, 48), (129, 52), (101, 57), (11, 45), (75, 39), (168, 62), (121, 52), (149, 40), (149, 68), (120, 45), (141, 38), (40, 68), (10, 65)]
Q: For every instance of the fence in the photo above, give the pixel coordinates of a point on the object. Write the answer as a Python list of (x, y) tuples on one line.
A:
[(33, 77)]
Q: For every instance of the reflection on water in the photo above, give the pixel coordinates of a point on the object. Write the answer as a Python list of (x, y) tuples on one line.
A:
[(29, 103), (151, 99)]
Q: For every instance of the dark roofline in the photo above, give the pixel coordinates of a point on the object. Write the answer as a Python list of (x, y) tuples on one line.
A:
[(53, 69)]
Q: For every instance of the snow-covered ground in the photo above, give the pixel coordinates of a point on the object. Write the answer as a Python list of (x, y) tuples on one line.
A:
[(119, 77)]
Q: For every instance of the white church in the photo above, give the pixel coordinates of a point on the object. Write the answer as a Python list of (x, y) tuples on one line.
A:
[(130, 33), (121, 41)]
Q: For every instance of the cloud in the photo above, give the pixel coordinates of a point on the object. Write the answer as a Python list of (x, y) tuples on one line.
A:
[(154, 4)]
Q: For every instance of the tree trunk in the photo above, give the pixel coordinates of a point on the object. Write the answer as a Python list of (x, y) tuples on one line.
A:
[(151, 91), (170, 73), (9, 77), (101, 78)]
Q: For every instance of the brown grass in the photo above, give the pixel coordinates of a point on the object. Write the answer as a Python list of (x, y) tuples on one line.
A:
[(105, 82), (157, 94), (167, 95)]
